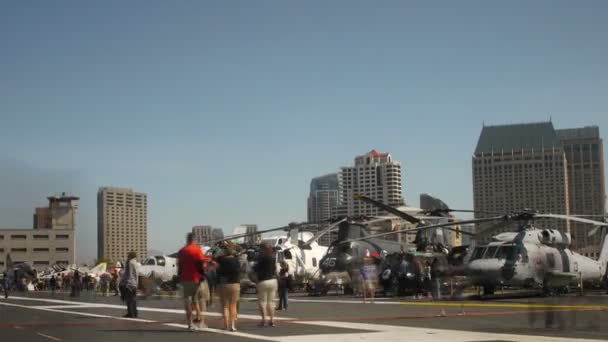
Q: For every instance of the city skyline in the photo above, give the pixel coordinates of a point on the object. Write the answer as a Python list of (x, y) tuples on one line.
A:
[(223, 114)]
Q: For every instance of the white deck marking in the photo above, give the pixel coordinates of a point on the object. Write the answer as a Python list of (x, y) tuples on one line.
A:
[(84, 305), (375, 332), (174, 325), (342, 301), (392, 333), (48, 336)]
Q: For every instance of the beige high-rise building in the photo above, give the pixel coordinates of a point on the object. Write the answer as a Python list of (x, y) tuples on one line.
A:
[(52, 241), (202, 234), (122, 221), (376, 175), (585, 155), (520, 166)]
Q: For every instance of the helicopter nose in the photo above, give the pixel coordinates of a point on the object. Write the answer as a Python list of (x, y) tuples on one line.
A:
[(486, 269)]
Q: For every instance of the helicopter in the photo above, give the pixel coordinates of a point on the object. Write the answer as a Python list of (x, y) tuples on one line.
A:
[(355, 243), (528, 257), (533, 257)]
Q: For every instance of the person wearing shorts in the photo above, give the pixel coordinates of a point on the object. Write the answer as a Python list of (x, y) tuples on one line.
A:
[(190, 259), (228, 271), (201, 299), (266, 272)]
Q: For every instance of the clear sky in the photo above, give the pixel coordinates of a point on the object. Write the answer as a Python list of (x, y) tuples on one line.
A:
[(222, 111)]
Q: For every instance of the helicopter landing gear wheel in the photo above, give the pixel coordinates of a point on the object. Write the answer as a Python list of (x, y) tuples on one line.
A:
[(488, 290)]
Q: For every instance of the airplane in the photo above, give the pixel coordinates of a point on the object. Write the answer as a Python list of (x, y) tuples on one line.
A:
[(528, 257)]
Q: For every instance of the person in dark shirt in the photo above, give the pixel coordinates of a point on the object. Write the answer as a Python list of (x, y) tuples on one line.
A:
[(53, 284), (285, 281), (228, 272), (266, 270)]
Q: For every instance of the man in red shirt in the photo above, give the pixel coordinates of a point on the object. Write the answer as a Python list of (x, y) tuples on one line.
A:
[(190, 259)]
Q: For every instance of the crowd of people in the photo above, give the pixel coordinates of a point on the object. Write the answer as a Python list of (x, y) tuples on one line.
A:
[(200, 276)]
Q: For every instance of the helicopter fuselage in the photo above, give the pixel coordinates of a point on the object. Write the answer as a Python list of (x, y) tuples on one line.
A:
[(539, 259)]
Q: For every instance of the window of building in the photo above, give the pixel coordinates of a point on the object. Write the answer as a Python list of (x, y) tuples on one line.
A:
[(19, 250), (18, 237), (40, 263), (41, 237), (62, 249), (62, 236), (41, 249)]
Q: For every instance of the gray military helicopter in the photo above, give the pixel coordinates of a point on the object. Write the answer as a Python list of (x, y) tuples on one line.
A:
[(527, 257), (532, 257)]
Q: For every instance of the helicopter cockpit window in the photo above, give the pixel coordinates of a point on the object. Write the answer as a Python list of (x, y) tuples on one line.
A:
[(150, 262), (490, 252), (505, 252), (287, 255), (477, 253), (303, 245), (160, 261)]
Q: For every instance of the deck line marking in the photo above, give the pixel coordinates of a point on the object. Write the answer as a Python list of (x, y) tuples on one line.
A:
[(397, 333), (48, 336), (176, 325), (464, 304), (387, 333), (78, 305)]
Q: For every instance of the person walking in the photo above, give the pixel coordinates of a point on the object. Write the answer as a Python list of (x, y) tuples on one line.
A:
[(285, 283), (115, 282), (129, 283), (190, 259), (369, 275), (76, 284), (5, 284), (266, 270), (53, 284), (228, 272)]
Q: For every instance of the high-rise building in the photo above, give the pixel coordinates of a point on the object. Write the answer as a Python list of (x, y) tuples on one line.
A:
[(323, 198), (520, 166), (251, 238), (122, 221), (217, 234), (249, 229), (585, 155), (375, 175), (467, 228), (50, 242), (202, 234)]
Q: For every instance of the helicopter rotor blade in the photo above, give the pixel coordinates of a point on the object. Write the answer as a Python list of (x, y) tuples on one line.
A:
[(440, 225), (573, 218), (323, 232), (388, 208), (237, 236)]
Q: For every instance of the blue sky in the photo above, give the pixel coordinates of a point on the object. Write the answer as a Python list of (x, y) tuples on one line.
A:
[(223, 111)]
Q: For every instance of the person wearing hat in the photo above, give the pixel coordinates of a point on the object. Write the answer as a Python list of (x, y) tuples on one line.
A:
[(128, 284)]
